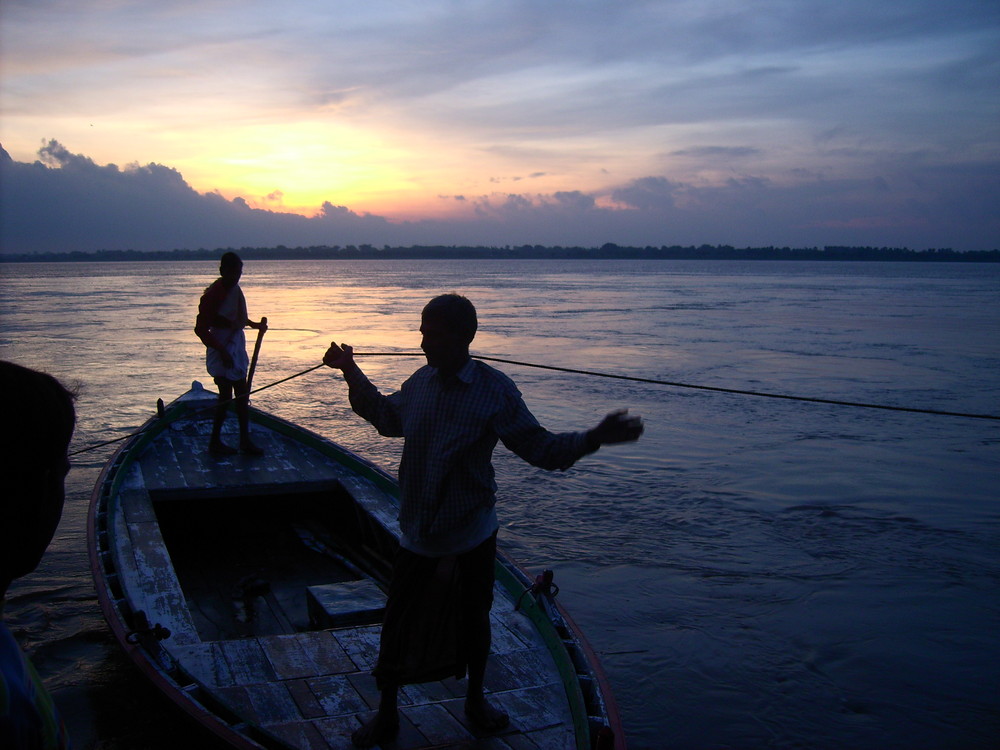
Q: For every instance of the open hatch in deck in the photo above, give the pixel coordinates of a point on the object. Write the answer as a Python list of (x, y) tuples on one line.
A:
[(246, 563)]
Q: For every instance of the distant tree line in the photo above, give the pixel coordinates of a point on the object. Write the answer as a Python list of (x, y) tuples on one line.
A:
[(608, 251)]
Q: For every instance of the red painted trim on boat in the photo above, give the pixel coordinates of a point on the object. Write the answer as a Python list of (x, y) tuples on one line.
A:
[(610, 705)]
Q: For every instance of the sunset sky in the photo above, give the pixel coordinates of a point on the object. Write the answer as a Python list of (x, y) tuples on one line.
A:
[(779, 122)]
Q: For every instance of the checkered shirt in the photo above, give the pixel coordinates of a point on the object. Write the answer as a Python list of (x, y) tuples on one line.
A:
[(450, 428)]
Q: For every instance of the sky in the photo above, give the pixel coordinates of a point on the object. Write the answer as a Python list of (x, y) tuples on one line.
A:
[(233, 123)]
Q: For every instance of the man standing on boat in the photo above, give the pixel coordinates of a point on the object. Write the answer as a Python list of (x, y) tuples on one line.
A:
[(451, 413), (222, 316)]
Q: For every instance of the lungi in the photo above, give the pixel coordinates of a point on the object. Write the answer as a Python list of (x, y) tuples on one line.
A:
[(430, 602)]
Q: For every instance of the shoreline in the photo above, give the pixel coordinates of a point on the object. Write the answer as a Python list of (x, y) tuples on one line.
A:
[(526, 252)]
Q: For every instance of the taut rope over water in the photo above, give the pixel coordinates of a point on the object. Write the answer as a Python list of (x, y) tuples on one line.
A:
[(591, 373), (701, 387)]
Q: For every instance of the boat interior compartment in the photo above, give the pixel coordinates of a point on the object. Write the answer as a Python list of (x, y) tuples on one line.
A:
[(254, 565)]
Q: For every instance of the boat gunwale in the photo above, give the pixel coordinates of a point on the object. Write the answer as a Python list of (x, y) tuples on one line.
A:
[(116, 616)]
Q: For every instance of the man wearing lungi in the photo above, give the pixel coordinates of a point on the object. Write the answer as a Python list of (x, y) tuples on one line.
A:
[(222, 316), (451, 413)]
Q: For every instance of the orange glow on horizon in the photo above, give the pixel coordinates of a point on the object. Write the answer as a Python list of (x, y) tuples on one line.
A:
[(364, 167), (394, 206)]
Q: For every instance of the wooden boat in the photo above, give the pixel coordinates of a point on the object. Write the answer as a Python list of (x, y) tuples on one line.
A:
[(250, 591)]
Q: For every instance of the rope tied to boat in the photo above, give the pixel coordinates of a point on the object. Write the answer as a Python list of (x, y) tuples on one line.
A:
[(543, 586), (143, 631)]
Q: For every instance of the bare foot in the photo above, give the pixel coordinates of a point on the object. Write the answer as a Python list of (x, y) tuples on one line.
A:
[(483, 715), (375, 732), (217, 448), (248, 448)]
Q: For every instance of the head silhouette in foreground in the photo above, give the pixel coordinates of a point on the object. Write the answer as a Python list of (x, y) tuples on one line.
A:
[(37, 421), (37, 418)]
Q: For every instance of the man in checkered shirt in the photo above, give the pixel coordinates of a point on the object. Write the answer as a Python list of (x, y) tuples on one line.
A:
[(451, 413)]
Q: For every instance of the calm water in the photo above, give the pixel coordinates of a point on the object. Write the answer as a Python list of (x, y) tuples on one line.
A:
[(755, 573)]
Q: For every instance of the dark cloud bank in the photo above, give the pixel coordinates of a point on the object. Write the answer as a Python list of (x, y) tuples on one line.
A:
[(65, 202)]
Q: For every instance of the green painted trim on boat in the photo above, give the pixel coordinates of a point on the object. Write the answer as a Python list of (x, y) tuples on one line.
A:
[(329, 448), (564, 663), (148, 433)]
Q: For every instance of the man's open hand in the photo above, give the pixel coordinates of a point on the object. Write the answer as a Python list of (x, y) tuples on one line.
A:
[(617, 427)]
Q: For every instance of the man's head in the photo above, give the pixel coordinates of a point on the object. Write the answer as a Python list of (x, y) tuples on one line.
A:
[(448, 325), (36, 424), (230, 268)]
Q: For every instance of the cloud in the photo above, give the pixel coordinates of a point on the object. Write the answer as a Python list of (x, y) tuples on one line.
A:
[(525, 70), (647, 193), (65, 202), (575, 200), (717, 152)]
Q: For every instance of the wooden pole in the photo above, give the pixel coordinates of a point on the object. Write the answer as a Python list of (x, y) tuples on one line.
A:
[(256, 351)]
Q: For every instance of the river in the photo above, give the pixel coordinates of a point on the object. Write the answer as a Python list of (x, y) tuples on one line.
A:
[(753, 573)]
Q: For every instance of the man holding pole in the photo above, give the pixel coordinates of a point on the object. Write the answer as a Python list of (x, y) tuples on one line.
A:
[(222, 316)]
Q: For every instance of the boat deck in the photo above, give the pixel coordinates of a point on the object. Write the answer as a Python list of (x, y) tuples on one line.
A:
[(259, 658)]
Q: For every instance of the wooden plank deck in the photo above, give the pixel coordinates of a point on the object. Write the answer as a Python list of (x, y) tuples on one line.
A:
[(286, 684), (312, 688)]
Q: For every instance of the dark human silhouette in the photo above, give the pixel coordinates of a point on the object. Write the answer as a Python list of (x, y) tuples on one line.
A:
[(451, 414), (36, 424), (222, 316)]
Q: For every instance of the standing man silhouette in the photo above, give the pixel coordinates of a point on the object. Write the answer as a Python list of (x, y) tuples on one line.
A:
[(222, 316), (451, 415)]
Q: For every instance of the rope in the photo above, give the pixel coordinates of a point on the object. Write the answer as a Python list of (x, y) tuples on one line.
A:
[(716, 389), (196, 413), (652, 381)]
